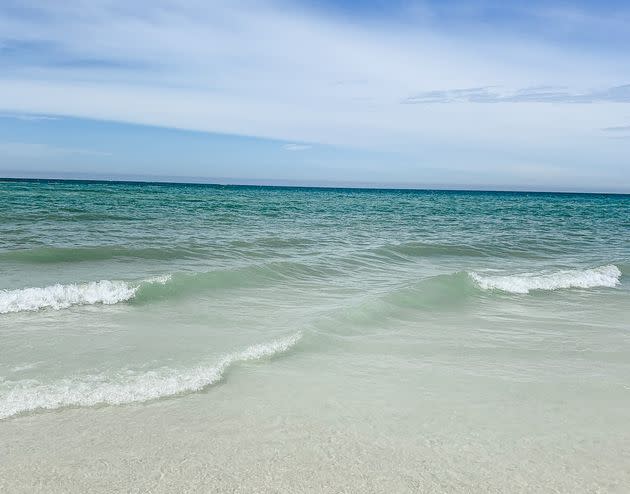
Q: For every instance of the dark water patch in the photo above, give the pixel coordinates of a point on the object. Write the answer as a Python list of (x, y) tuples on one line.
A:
[(51, 255)]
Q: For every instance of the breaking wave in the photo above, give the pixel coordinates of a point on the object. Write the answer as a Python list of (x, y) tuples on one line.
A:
[(59, 296), (107, 292), (86, 391), (603, 276)]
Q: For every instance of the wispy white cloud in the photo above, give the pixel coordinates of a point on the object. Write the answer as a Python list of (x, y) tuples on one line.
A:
[(271, 70), (28, 117), (542, 94), (296, 147)]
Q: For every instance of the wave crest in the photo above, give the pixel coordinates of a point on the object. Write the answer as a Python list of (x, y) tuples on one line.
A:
[(59, 296), (603, 276), (27, 396)]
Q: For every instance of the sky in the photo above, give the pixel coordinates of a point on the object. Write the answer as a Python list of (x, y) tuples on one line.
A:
[(475, 94)]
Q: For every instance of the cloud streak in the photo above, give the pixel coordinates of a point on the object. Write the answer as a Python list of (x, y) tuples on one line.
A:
[(543, 94), (296, 147), (29, 117)]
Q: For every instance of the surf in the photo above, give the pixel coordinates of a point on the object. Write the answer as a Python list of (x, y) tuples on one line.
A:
[(58, 296), (125, 388), (602, 276)]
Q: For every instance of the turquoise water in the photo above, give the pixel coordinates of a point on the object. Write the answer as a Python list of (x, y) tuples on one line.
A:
[(491, 328)]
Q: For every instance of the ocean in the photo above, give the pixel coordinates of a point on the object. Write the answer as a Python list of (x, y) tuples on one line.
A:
[(200, 338)]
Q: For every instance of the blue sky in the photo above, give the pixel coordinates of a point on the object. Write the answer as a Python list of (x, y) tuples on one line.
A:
[(451, 93)]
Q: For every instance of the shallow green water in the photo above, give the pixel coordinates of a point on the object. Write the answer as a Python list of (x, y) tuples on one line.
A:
[(508, 312)]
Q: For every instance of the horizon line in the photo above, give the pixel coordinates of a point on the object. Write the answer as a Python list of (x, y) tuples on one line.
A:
[(296, 184)]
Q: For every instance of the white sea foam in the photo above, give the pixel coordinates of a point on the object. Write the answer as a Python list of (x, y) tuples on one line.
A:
[(162, 279), (605, 276), (63, 296), (29, 395), (24, 367)]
